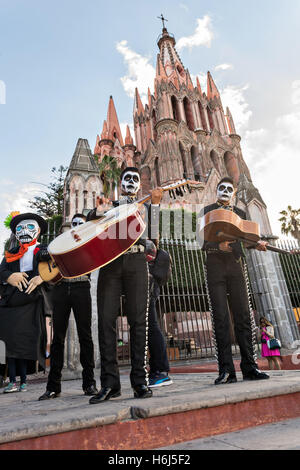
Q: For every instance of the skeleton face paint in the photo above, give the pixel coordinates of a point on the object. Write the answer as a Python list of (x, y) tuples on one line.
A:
[(131, 182), (27, 230), (77, 221), (225, 192)]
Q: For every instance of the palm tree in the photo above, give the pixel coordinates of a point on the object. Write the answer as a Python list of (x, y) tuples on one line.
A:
[(290, 222), (109, 174)]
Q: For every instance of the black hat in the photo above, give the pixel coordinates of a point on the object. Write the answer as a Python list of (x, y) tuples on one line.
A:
[(27, 216)]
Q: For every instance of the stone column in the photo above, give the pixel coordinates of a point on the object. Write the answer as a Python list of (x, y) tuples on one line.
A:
[(271, 294)]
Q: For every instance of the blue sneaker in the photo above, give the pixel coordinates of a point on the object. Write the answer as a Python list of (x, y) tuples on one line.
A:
[(159, 380), (23, 388), (10, 388)]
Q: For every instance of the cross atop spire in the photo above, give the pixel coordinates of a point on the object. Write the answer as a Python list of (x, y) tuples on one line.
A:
[(161, 17)]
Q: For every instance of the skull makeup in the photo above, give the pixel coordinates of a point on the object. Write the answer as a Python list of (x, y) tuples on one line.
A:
[(77, 221), (27, 231), (225, 192), (131, 182)]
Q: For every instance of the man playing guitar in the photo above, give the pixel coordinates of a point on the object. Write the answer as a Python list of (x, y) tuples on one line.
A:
[(128, 274)]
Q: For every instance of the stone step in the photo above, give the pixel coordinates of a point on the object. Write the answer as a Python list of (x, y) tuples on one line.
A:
[(192, 407)]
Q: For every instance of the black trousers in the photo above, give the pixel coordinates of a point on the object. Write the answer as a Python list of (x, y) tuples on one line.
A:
[(75, 296), (158, 360), (126, 275), (225, 276)]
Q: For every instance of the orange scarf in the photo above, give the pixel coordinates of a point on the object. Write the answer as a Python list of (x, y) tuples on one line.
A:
[(10, 257)]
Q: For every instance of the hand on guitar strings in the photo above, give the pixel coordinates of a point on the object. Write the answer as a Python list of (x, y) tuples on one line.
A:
[(102, 204), (261, 245), (18, 280), (156, 195), (225, 246)]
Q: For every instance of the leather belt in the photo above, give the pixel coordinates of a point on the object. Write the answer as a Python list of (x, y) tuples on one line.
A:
[(76, 279), (135, 249)]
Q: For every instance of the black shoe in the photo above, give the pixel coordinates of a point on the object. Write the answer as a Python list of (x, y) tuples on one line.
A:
[(255, 374), (226, 378), (105, 394), (91, 390), (142, 391), (48, 395)]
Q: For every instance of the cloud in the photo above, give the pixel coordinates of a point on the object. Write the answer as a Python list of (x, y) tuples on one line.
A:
[(224, 67), (272, 156), (184, 6), (271, 152), (234, 98), (202, 36), (296, 92), (140, 73)]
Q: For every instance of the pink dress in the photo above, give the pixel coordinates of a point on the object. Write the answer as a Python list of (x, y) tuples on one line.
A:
[(265, 351)]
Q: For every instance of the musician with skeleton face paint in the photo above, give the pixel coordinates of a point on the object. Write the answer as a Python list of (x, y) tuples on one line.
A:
[(22, 303), (71, 294), (128, 274), (226, 279)]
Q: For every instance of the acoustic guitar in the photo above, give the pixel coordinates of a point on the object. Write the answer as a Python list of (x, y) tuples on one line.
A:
[(222, 225), (96, 243), (49, 272)]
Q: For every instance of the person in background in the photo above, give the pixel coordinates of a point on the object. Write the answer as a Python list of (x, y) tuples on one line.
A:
[(160, 270), (273, 356), (71, 294)]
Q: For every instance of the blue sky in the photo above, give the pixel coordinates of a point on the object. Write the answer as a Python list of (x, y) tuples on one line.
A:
[(61, 60)]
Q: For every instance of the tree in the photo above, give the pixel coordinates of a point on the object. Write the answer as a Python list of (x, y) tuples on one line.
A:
[(290, 222), (109, 173), (51, 203)]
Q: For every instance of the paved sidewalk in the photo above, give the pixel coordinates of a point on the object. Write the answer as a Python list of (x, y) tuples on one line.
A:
[(283, 435), (22, 416)]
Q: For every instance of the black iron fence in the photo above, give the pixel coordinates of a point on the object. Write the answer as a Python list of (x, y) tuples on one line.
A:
[(291, 269), (183, 306)]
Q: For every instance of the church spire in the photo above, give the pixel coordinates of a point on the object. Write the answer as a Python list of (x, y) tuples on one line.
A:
[(138, 105), (168, 55), (113, 126), (212, 90)]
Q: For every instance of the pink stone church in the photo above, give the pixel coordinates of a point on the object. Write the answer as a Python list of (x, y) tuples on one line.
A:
[(181, 132)]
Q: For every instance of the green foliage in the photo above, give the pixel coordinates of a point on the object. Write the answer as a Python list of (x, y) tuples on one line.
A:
[(290, 222), (51, 202), (109, 173)]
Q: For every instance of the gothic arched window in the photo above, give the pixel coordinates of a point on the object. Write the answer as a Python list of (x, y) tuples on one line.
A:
[(202, 116), (182, 153), (210, 118), (196, 162), (156, 167), (231, 166), (174, 103), (188, 114), (215, 160), (154, 124)]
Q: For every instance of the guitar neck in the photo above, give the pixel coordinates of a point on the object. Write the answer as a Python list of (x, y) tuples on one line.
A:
[(247, 240), (170, 187)]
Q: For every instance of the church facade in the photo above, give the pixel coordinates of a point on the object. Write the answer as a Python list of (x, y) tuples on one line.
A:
[(181, 132)]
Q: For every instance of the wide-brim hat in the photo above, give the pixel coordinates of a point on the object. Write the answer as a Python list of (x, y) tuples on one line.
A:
[(28, 216)]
